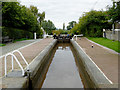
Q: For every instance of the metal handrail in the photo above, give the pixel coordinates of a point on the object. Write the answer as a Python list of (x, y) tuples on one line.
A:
[(22, 58), (77, 36), (16, 61), (14, 57)]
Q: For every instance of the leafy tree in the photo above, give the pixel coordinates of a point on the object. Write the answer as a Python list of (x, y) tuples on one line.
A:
[(34, 10), (11, 12), (48, 26), (113, 12), (60, 31), (20, 17), (71, 25), (41, 17), (63, 26), (91, 24)]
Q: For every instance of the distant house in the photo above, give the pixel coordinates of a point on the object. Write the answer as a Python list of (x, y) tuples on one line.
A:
[(114, 33)]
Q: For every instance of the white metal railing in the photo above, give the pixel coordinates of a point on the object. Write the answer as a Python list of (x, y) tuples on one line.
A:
[(14, 57), (77, 36), (22, 58)]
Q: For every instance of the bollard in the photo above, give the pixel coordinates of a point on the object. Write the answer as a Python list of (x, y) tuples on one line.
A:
[(92, 46), (35, 35)]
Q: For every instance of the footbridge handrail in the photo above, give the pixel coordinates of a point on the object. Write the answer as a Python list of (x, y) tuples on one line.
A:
[(77, 36)]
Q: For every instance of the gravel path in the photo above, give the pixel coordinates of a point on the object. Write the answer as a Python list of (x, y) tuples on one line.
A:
[(105, 59)]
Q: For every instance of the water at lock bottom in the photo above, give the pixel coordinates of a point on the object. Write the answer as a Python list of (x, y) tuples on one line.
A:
[(63, 71)]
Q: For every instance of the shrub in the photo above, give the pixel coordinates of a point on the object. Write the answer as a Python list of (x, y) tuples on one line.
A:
[(14, 33)]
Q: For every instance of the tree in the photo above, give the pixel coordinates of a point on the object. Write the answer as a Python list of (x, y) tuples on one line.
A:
[(41, 17), (11, 14), (91, 24), (63, 26), (48, 26), (34, 10), (20, 17), (71, 25), (113, 12)]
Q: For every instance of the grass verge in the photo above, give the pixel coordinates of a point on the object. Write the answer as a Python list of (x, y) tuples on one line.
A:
[(2, 45), (22, 39), (107, 43)]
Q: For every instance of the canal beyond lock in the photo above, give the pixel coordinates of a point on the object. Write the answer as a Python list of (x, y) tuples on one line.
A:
[(63, 71)]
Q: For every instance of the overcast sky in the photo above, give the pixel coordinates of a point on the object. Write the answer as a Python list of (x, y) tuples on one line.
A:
[(64, 11)]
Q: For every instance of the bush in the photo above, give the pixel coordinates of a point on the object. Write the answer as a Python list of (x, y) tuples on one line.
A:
[(14, 33), (91, 24)]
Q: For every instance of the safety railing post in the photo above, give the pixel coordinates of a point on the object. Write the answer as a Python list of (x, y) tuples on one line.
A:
[(12, 63), (22, 58), (76, 37), (5, 66), (19, 64)]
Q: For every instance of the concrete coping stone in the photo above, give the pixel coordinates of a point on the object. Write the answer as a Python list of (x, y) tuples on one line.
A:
[(34, 66)]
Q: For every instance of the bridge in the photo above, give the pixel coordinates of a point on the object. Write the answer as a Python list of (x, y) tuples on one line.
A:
[(66, 38)]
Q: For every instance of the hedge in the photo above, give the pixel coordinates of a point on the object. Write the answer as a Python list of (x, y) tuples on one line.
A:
[(14, 33)]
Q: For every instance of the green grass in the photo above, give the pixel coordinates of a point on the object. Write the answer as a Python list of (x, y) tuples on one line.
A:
[(107, 43), (20, 40), (2, 45)]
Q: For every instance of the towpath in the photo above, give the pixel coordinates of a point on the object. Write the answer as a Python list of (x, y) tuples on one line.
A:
[(29, 52), (13, 46), (105, 59)]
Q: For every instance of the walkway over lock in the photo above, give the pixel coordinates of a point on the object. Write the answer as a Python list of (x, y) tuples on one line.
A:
[(63, 38)]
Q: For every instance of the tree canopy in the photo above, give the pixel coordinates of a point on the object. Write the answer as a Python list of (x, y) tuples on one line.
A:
[(71, 25), (15, 15), (48, 26), (91, 24), (113, 12)]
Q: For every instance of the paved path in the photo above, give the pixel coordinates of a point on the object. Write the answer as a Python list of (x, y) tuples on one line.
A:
[(13, 46), (29, 52), (105, 59)]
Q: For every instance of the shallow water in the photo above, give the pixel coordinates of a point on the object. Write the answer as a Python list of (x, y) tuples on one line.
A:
[(63, 71)]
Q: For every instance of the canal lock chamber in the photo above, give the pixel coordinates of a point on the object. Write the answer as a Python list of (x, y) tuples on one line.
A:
[(60, 67)]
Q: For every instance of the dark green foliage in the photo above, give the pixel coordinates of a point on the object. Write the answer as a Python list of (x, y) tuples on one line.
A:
[(22, 39), (2, 45), (63, 26), (10, 14), (60, 31), (16, 33), (113, 12), (48, 26), (17, 16), (91, 24), (71, 25), (41, 17)]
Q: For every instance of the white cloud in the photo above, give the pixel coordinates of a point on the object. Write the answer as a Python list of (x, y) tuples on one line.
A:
[(64, 11)]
